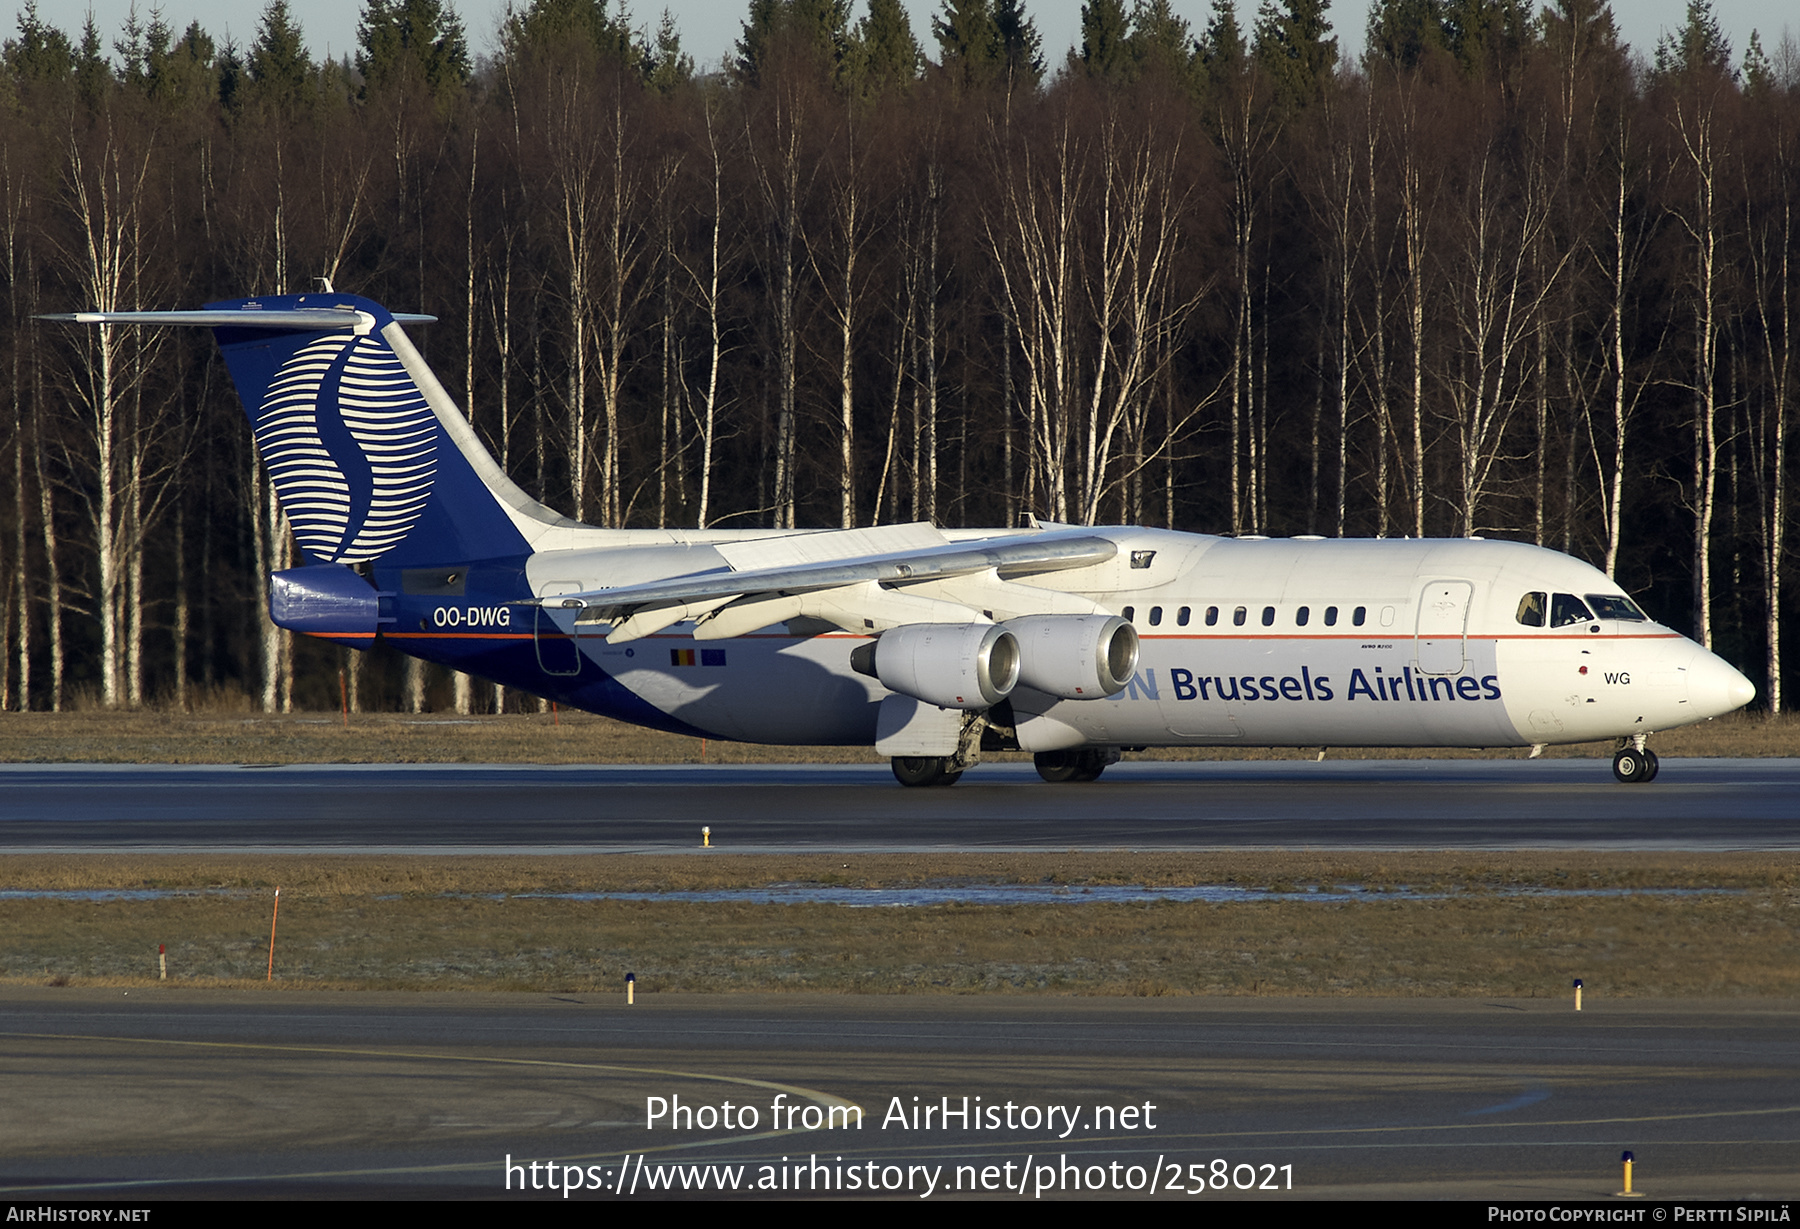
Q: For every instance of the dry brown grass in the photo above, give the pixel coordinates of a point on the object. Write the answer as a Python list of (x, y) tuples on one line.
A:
[(226, 737), (440, 923), (353, 875)]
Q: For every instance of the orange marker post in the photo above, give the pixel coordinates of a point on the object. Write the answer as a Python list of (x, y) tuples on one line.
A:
[(272, 920), (630, 989), (1577, 994)]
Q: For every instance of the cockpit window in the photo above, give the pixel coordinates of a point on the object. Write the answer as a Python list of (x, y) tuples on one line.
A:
[(1566, 608), (1616, 606), (1531, 610)]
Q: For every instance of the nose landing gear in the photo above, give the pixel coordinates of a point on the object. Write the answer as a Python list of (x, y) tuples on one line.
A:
[(1635, 764)]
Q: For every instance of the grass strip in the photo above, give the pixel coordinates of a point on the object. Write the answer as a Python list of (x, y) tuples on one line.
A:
[(450, 923)]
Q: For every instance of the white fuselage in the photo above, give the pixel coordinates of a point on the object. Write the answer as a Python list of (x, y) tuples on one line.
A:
[(1247, 641)]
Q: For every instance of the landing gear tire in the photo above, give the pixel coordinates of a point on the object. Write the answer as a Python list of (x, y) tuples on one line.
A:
[(915, 771), (1058, 767), (1635, 767)]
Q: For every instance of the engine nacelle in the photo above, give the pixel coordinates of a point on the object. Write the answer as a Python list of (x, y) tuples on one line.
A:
[(1076, 657), (951, 665)]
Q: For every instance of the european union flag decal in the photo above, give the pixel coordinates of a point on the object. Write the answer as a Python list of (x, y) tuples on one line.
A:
[(712, 657)]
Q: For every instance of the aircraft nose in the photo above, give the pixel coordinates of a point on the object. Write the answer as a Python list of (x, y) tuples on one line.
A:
[(1716, 687)]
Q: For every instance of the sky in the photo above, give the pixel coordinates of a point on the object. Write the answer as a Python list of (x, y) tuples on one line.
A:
[(709, 28)]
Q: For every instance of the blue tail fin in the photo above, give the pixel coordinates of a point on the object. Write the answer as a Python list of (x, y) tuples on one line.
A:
[(369, 456)]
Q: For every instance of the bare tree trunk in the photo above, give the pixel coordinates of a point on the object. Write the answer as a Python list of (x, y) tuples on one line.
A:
[(21, 581), (1413, 213), (778, 175), (934, 188), (1377, 331), (22, 335), (1695, 128), (1771, 267), (1008, 417), (183, 616), (708, 286), (1619, 261), (47, 519), (841, 293)]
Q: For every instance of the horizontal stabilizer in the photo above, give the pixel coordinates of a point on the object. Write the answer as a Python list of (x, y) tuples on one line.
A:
[(322, 319)]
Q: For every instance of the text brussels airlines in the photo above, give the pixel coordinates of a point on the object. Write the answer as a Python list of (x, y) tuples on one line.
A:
[(1307, 686)]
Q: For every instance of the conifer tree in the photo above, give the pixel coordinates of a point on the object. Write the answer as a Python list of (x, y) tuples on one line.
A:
[(1699, 44), (1021, 46), (884, 53), (666, 66), (41, 52), (1402, 33), (969, 45), (278, 67), (412, 41), (1293, 47), (1105, 40), (1162, 42)]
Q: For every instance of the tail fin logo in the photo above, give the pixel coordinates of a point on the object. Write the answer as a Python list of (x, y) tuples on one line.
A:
[(351, 447)]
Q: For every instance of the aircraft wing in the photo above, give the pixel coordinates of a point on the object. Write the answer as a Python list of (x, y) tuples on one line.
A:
[(860, 592)]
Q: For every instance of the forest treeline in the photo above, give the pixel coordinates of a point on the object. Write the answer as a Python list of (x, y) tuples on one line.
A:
[(1505, 276)]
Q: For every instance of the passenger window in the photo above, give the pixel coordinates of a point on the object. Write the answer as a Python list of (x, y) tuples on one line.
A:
[(1181, 617), (1131, 614), (1387, 616), (1268, 616), (1531, 610), (1331, 616), (1156, 616), (1238, 616), (1566, 609), (1212, 616), (1359, 615), (1301, 616)]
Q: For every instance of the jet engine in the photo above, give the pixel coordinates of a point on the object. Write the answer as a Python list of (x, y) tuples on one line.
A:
[(951, 665), (1076, 657)]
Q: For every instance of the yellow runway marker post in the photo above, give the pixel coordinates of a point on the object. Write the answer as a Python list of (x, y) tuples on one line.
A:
[(1628, 1193)]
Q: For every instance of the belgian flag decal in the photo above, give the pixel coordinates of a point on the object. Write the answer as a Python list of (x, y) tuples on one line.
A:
[(688, 657)]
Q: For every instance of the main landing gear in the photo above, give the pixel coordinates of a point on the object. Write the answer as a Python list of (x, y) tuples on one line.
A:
[(1634, 764), (921, 770), (1085, 764)]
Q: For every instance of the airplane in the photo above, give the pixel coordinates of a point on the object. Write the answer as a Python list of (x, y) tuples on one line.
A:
[(1074, 643)]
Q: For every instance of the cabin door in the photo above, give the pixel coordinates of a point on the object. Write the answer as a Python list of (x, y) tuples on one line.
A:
[(1443, 626), (553, 631)]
